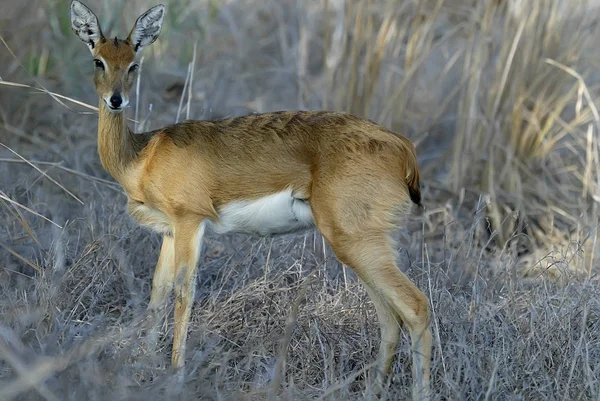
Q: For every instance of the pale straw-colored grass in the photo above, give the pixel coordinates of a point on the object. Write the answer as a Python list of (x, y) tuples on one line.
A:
[(500, 98)]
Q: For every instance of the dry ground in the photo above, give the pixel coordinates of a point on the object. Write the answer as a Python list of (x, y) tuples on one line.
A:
[(500, 97)]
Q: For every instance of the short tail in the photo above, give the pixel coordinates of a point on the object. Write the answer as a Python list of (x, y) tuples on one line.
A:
[(412, 176), (414, 190), (415, 194)]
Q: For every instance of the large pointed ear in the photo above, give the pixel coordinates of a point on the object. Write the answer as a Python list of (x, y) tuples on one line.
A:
[(85, 24), (147, 28)]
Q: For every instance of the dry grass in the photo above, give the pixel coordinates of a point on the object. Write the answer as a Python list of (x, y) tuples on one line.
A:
[(500, 97)]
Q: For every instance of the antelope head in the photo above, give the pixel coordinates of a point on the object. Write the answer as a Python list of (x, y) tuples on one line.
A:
[(114, 59)]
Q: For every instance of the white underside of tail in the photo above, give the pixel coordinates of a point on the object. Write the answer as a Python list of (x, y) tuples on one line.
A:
[(279, 213)]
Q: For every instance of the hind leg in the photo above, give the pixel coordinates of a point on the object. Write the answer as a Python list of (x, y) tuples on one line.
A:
[(356, 225), (396, 300), (390, 337), (357, 202)]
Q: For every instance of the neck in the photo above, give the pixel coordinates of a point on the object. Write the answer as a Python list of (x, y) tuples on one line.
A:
[(117, 145)]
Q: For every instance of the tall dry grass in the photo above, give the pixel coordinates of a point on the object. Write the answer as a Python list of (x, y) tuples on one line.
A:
[(500, 98)]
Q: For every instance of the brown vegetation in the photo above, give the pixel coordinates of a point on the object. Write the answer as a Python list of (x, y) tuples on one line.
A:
[(501, 102)]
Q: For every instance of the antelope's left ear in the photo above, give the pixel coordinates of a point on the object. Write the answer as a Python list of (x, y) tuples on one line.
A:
[(147, 28)]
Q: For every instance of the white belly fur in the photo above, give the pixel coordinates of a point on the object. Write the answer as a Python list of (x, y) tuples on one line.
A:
[(279, 213)]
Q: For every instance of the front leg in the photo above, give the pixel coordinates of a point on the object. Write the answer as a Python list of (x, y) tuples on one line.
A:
[(162, 284), (188, 234), (164, 275)]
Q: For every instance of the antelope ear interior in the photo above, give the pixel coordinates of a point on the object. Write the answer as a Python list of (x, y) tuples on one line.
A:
[(85, 25), (147, 28)]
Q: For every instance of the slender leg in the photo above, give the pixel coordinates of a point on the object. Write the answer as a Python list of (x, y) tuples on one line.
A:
[(390, 337), (188, 237), (396, 300), (355, 210), (162, 282)]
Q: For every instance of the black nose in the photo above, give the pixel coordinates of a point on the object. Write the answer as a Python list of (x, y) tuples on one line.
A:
[(116, 100)]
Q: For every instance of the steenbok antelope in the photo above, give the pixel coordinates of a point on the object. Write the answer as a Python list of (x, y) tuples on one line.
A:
[(271, 173)]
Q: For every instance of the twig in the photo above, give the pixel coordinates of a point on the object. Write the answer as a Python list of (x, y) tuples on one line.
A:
[(351, 378), (24, 372), (44, 174), (21, 257), (287, 337), (43, 369), (43, 89), (6, 198), (190, 86), (107, 183), (586, 91), (137, 94)]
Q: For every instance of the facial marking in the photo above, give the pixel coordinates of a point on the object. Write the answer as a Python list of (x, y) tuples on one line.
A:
[(105, 65), (114, 83)]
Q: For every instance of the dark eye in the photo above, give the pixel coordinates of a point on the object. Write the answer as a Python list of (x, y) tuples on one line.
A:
[(99, 64), (134, 68)]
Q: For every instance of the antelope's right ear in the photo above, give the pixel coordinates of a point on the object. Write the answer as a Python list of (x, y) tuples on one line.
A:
[(85, 25)]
